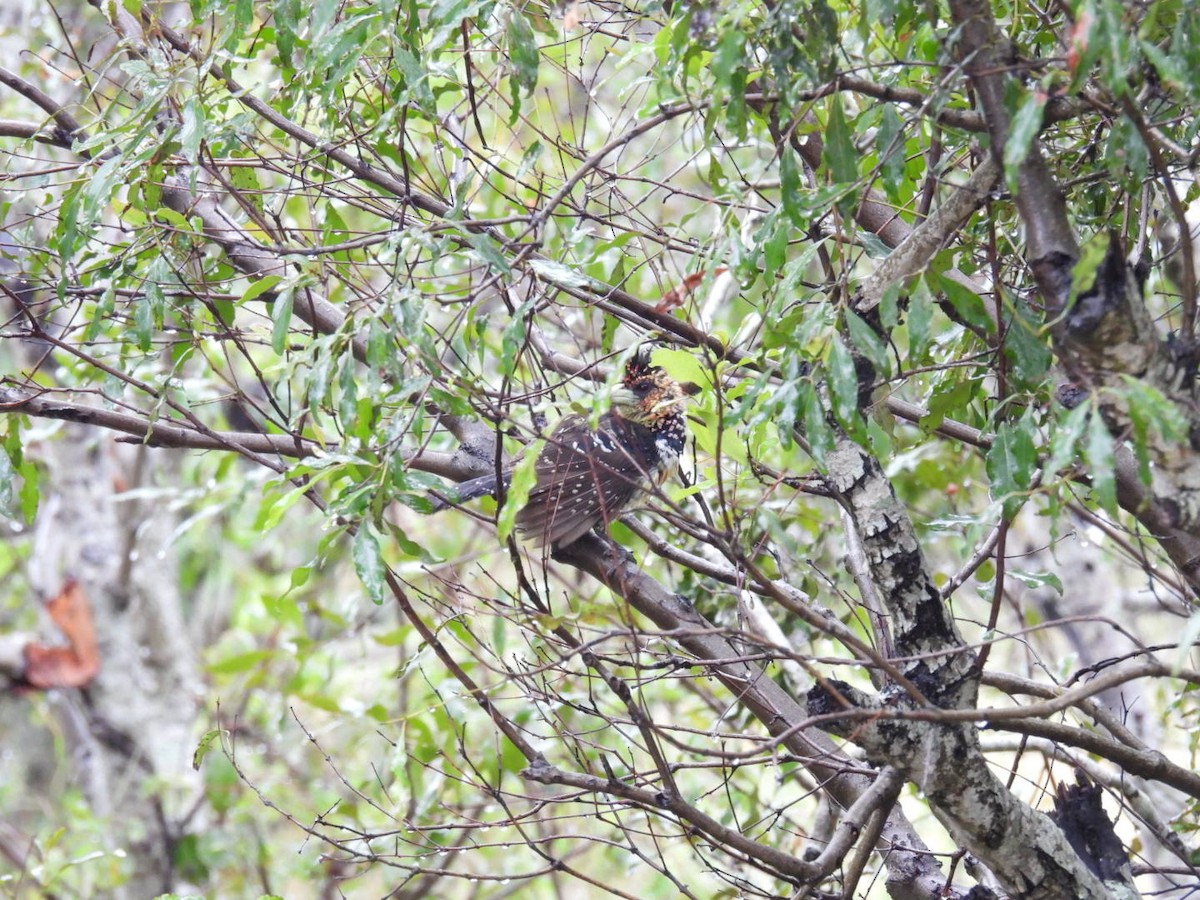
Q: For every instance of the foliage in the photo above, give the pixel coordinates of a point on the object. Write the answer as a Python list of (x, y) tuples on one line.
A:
[(324, 238)]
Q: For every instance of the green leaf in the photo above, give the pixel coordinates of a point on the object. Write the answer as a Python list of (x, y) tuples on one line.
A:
[(1155, 419), (408, 546), (173, 219), (275, 502), (1011, 461), (320, 701), (1026, 347), (1153, 411), (240, 662), (683, 366), (368, 562), (968, 304), (1064, 440), (381, 355), (1035, 580), (729, 56), (220, 784), (1125, 154), (71, 223), (151, 188), (30, 489), (839, 152), (523, 478), (511, 759), (1086, 41), (489, 250), (222, 310), (143, 317), (348, 396), (889, 307), (415, 81), (843, 388), (284, 609), (286, 15), (559, 274), (1111, 35), (1083, 273), (816, 426), (243, 15), (393, 638), (524, 56), (869, 343), (281, 319), (889, 145), (188, 860), (260, 287), (512, 341), (1171, 69), (950, 397), (776, 245), (1100, 455), (789, 189), (919, 320), (210, 739), (191, 132), (1026, 124)]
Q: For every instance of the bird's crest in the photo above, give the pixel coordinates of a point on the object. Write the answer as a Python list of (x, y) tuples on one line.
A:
[(639, 366)]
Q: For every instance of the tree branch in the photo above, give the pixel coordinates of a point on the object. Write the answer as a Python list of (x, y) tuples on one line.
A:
[(908, 860), (152, 432)]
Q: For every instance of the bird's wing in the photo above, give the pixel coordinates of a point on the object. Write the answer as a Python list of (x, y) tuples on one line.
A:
[(584, 478)]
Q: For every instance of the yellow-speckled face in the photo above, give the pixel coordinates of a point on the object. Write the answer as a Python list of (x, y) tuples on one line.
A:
[(649, 395)]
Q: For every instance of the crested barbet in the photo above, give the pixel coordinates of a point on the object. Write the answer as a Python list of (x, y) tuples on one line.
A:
[(586, 477)]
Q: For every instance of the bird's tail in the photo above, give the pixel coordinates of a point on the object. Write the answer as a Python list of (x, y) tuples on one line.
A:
[(465, 491)]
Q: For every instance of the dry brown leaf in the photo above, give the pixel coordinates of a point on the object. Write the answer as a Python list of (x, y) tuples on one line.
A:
[(675, 297), (76, 664)]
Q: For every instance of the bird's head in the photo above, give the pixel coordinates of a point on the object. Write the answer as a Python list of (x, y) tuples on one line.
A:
[(648, 395)]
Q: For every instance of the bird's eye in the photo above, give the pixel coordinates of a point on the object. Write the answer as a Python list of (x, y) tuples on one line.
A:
[(641, 387)]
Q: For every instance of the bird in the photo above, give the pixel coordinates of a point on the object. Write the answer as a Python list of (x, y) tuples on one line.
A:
[(586, 477)]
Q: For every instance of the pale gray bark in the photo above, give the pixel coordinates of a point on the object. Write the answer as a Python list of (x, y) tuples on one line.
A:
[(1022, 848), (131, 731)]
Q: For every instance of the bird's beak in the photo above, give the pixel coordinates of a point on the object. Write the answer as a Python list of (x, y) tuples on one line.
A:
[(689, 390), (623, 398)]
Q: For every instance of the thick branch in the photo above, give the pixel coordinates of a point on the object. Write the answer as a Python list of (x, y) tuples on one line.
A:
[(780, 713), (68, 128), (1022, 847), (1149, 764), (987, 58), (920, 245), (152, 433), (921, 624)]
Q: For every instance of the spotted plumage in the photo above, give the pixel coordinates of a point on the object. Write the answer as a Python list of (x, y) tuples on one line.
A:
[(586, 477)]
